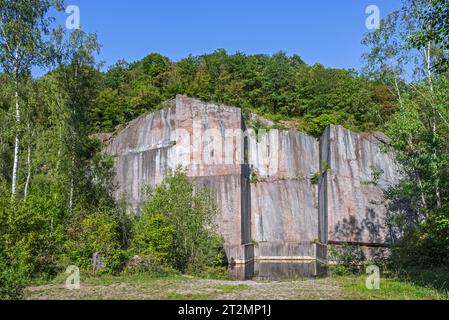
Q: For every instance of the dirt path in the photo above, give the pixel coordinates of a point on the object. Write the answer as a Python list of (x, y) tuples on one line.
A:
[(189, 288)]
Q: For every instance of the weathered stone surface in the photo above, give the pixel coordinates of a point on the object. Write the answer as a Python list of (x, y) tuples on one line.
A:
[(352, 201), (255, 120), (191, 134), (262, 186), (208, 138), (276, 155), (284, 202), (264, 270), (142, 153), (284, 210)]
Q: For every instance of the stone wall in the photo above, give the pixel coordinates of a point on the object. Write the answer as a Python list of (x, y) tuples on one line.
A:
[(263, 185), (142, 153), (284, 202), (357, 172), (155, 144)]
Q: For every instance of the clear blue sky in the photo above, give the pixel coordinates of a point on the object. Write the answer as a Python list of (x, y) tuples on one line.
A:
[(324, 31)]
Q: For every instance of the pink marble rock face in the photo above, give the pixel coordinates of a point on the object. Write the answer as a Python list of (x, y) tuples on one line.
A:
[(263, 186), (358, 173)]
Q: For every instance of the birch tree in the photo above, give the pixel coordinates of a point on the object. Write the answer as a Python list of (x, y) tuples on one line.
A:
[(419, 127), (434, 28), (23, 26), (75, 75)]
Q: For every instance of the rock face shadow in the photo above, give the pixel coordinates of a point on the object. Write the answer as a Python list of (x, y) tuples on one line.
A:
[(368, 230)]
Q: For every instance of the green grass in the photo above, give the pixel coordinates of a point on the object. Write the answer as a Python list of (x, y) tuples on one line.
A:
[(231, 288), (437, 278), (133, 279), (213, 293), (190, 296), (354, 288), (413, 285)]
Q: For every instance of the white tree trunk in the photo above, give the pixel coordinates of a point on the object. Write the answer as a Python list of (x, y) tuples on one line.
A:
[(28, 170), (398, 91), (15, 169), (71, 195), (428, 57), (72, 185)]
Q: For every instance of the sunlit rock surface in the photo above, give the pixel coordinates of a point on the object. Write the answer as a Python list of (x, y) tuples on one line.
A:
[(284, 202), (357, 172), (272, 207)]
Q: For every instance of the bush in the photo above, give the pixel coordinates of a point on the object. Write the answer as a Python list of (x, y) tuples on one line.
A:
[(153, 238), (94, 233), (426, 245), (348, 259), (146, 264), (14, 247), (14, 274), (177, 227)]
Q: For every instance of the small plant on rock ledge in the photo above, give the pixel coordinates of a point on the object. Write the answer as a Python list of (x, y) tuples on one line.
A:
[(315, 179), (254, 178), (324, 167), (376, 174)]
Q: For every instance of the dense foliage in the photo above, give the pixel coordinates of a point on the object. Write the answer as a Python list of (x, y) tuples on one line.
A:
[(96, 232), (177, 227), (280, 87), (407, 54)]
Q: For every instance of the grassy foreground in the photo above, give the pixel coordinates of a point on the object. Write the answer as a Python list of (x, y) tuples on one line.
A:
[(146, 287)]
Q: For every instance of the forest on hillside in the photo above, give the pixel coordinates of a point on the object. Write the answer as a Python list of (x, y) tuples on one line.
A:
[(56, 186), (278, 86)]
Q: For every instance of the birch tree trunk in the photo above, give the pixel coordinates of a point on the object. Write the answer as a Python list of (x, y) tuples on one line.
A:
[(15, 169), (427, 55), (28, 170), (72, 183), (420, 184), (71, 195)]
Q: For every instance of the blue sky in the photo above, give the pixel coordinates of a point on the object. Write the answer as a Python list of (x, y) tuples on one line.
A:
[(324, 31)]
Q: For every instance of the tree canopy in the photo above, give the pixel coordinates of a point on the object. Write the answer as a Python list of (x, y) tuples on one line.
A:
[(279, 86)]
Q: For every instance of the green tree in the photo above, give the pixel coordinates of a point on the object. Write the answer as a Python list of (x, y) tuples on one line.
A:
[(76, 82), (153, 238), (177, 226), (433, 27), (279, 86), (14, 267), (6, 123), (418, 129), (22, 27), (106, 112), (95, 232)]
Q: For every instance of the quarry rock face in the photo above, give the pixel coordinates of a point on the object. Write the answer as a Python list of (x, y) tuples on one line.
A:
[(272, 206), (356, 173), (284, 202)]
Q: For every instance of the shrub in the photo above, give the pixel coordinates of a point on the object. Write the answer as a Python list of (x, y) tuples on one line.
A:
[(177, 226), (426, 245), (153, 238), (14, 274), (348, 259), (14, 247), (149, 266), (94, 233)]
